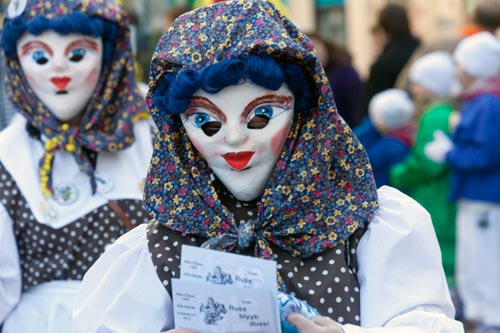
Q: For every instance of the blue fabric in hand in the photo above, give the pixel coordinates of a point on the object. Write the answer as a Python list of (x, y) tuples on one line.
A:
[(289, 304)]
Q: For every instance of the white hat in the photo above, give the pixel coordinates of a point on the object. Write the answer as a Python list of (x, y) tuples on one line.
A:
[(392, 107), (435, 71), (479, 55)]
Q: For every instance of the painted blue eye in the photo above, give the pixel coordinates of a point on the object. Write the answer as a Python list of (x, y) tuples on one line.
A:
[(39, 57), (201, 119), (209, 125), (265, 110), (261, 117), (77, 54)]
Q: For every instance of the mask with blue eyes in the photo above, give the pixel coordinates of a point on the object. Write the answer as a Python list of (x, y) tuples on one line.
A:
[(240, 131), (62, 69)]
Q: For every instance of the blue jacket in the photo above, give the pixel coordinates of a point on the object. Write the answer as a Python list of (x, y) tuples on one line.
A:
[(475, 157), (384, 151)]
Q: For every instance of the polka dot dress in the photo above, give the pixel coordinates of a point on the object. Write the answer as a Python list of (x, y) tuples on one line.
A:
[(327, 281), (48, 254)]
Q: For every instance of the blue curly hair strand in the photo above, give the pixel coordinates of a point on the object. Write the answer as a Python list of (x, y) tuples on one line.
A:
[(76, 22), (174, 92)]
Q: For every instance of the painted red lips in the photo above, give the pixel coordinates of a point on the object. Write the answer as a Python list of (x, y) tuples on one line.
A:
[(238, 161), (60, 82)]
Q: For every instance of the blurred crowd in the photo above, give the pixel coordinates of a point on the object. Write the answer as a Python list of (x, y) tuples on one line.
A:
[(430, 128)]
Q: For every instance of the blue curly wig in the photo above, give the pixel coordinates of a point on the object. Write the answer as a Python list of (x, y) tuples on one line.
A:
[(173, 94), (76, 22)]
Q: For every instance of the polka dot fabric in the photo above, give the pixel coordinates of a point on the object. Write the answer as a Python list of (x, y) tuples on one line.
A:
[(326, 281), (48, 254), (114, 106), (322, 189)]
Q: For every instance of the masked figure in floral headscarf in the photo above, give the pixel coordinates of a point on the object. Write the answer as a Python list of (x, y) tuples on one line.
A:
[(73, 162), (252, 157)]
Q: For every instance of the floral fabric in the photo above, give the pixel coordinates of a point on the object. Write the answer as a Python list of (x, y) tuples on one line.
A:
[(322, 189), (113, 108)]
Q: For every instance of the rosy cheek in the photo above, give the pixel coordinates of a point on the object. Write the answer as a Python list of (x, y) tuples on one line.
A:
[(92, 78), (205, 152), (30, 79), (198, 145), (278, 139)]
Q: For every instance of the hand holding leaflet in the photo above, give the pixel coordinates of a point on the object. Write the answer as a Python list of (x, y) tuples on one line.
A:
[(289, 304)]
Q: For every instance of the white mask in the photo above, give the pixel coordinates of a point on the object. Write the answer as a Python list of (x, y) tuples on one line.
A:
[(62, 70), (240, 132)]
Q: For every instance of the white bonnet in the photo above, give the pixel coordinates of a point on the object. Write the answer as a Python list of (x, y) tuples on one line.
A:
[(479, 55), (436, 72), (392, 107)]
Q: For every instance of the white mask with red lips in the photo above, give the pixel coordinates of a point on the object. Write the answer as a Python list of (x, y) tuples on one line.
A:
[(62, 70), (240, 132)]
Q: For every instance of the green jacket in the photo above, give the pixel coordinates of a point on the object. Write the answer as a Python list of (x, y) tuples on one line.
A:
[(428, 182)]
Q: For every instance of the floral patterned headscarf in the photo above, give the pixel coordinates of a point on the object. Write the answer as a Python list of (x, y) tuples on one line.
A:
[(107, 123), (322, 189)]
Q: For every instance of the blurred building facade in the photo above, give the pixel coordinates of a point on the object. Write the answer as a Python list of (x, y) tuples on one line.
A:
[(348, 22), (428, 19)]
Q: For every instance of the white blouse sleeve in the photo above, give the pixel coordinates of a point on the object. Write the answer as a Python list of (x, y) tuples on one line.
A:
[(10, 271), (121, 292), (402, 283)]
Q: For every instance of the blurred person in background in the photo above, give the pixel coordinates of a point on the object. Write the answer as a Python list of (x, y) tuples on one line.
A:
[(399, 46), (485, 17), (344, 79), (474, 157), (6, 108), (432, 80), (385, 133), (172, 13), (134, 23)]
